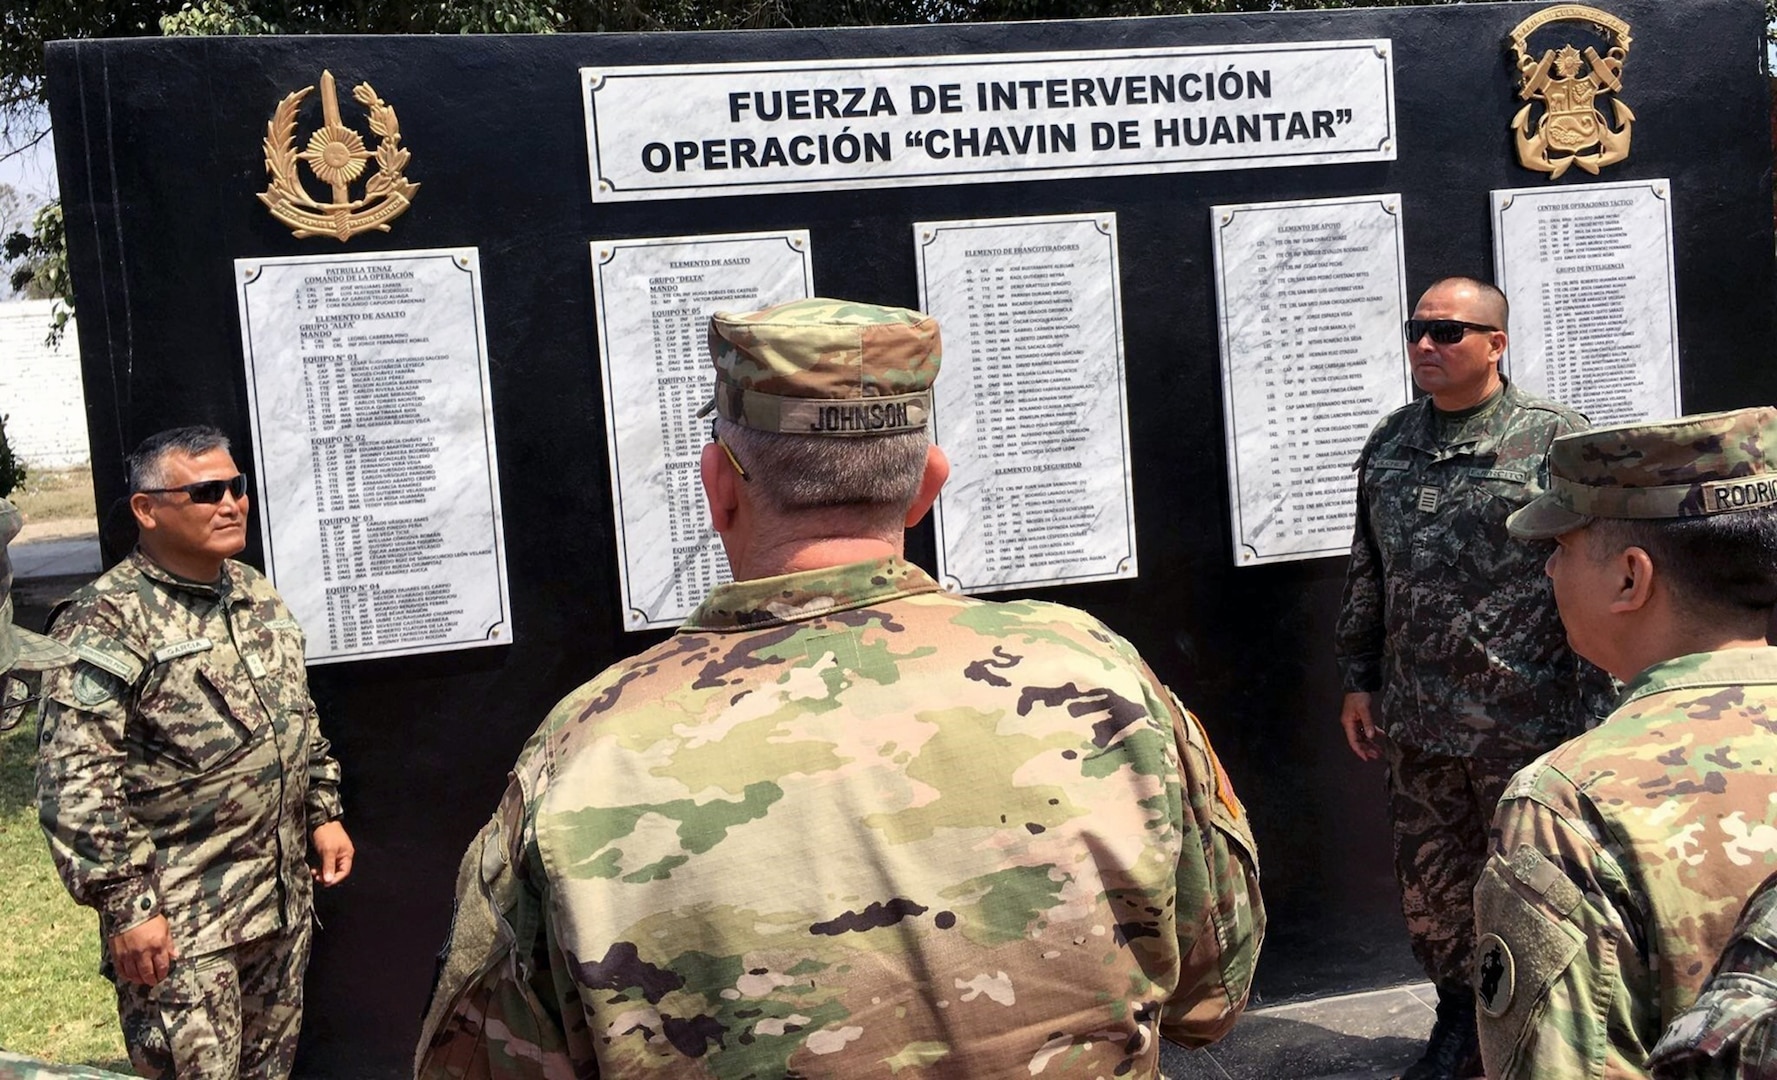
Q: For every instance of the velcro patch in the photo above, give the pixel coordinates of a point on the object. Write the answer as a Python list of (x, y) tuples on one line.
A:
[(1390, 463), (1428, 499), (282, 624), (1534, 869), (1508, 475), (182, 648), (94, 686), (109, 662)]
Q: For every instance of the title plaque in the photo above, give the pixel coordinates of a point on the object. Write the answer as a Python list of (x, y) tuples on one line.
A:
[(818, 125)]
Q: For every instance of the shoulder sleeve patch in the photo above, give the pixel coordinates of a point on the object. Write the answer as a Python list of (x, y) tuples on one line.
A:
[(93, 686), (107, 656)]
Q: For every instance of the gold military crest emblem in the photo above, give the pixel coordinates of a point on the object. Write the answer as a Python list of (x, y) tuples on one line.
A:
[(337, 156), (1572, 87)]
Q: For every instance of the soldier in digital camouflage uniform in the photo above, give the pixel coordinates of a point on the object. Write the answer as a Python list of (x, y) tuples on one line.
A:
[(1451, 623), (1621, 859), (844, 823), (183, 780), (1730, 1033)]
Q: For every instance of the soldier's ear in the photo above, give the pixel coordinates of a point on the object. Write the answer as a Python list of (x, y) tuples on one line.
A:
[(1635, 587), (937, 470), (141, 508), (720, 486)]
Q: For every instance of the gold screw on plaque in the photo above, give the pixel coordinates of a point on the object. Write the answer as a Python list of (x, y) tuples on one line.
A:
[(1569, 83), (336, 156)]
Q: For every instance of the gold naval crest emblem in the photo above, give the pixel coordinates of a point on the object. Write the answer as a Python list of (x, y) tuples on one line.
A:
[(1572, 132), (336, 155)]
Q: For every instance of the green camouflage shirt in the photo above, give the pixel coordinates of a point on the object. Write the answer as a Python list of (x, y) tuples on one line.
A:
[(1731, 1031), (1444, 612), (1620, 862), (845, 824), (180, 766)]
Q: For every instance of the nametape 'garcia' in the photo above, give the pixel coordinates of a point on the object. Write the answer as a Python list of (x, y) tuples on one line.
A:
[(1570, 84), (336, 155)]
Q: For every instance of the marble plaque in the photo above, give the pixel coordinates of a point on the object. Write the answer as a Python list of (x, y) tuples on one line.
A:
[(1589, 271), (1030, 406), (654, 300), (373, 443), (1311, 298), (749, 127)]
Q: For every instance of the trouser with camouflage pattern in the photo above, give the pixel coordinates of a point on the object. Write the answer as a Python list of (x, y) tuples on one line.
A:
[(232, 1013), (1441, 809)]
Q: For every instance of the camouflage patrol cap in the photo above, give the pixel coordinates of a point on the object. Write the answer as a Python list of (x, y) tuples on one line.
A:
[(825, 367), (1694, 466), (20, 648)]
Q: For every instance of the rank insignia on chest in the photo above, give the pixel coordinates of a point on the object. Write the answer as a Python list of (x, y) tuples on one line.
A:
[(256, 667), (1428, 499)]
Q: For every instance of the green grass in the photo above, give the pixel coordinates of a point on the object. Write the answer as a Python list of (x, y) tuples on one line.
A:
[(56, 495), (55, 1005)]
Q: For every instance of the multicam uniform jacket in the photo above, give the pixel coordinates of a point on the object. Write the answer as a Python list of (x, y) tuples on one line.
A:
[(845, 824), (181, 767), (1620, 863), (1444, 613), (1730, 1033)]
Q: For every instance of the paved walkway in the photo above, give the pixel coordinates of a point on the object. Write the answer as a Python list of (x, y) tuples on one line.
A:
[(1365, 1036), (53, 550)]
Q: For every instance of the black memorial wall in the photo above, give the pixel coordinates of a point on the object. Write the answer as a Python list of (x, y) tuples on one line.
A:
[(158, 145)]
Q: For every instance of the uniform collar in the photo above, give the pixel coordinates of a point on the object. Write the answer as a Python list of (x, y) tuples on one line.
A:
[(231, 573), (1480, 433), (1729, 667), (808, 594)]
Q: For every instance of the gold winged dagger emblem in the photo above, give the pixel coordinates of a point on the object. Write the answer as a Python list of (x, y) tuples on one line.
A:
[(336, 155), (1569, 83)]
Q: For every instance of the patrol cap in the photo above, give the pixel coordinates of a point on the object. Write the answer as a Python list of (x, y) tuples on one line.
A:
[(20, 648), (825, 367), (1694, 466)]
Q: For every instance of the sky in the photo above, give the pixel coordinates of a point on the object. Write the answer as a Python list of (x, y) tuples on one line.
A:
[(33, 173)]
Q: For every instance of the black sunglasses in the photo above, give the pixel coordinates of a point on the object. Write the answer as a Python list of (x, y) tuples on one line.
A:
[(206, 491), (1444, 331)]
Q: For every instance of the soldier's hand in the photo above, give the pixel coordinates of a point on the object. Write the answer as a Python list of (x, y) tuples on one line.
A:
[(333, 850), (1360, 729), (144, 952)]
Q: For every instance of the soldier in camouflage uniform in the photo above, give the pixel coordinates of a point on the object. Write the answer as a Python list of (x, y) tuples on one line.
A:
[(24, 655), (1621, 859), (844, 823), (1730, 1033), (183, 780), (1451, 621)]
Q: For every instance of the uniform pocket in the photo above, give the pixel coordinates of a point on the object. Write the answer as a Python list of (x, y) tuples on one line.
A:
[(196, 717)]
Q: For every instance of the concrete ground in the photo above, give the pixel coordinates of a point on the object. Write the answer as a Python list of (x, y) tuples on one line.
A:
[(1363, 1036)]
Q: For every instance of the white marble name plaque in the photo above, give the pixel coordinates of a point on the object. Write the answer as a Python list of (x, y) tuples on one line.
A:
[(654, 299), (1589, 272), (755, 127), (1030, 405), (1311, 297), (373, 441)]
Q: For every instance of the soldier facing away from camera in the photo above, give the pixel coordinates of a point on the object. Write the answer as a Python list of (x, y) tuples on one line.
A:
[(1621, 859), (844, 823), (1455, 668), (183, 780)]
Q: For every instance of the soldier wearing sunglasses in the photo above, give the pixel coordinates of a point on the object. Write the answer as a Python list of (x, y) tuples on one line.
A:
[(183, 781), (1454, 663)]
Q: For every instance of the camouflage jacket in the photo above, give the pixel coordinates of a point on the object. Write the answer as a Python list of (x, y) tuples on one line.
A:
[(1620, 862), (180, 766), (1451, 619), (845, 824), (1731, 1031)]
